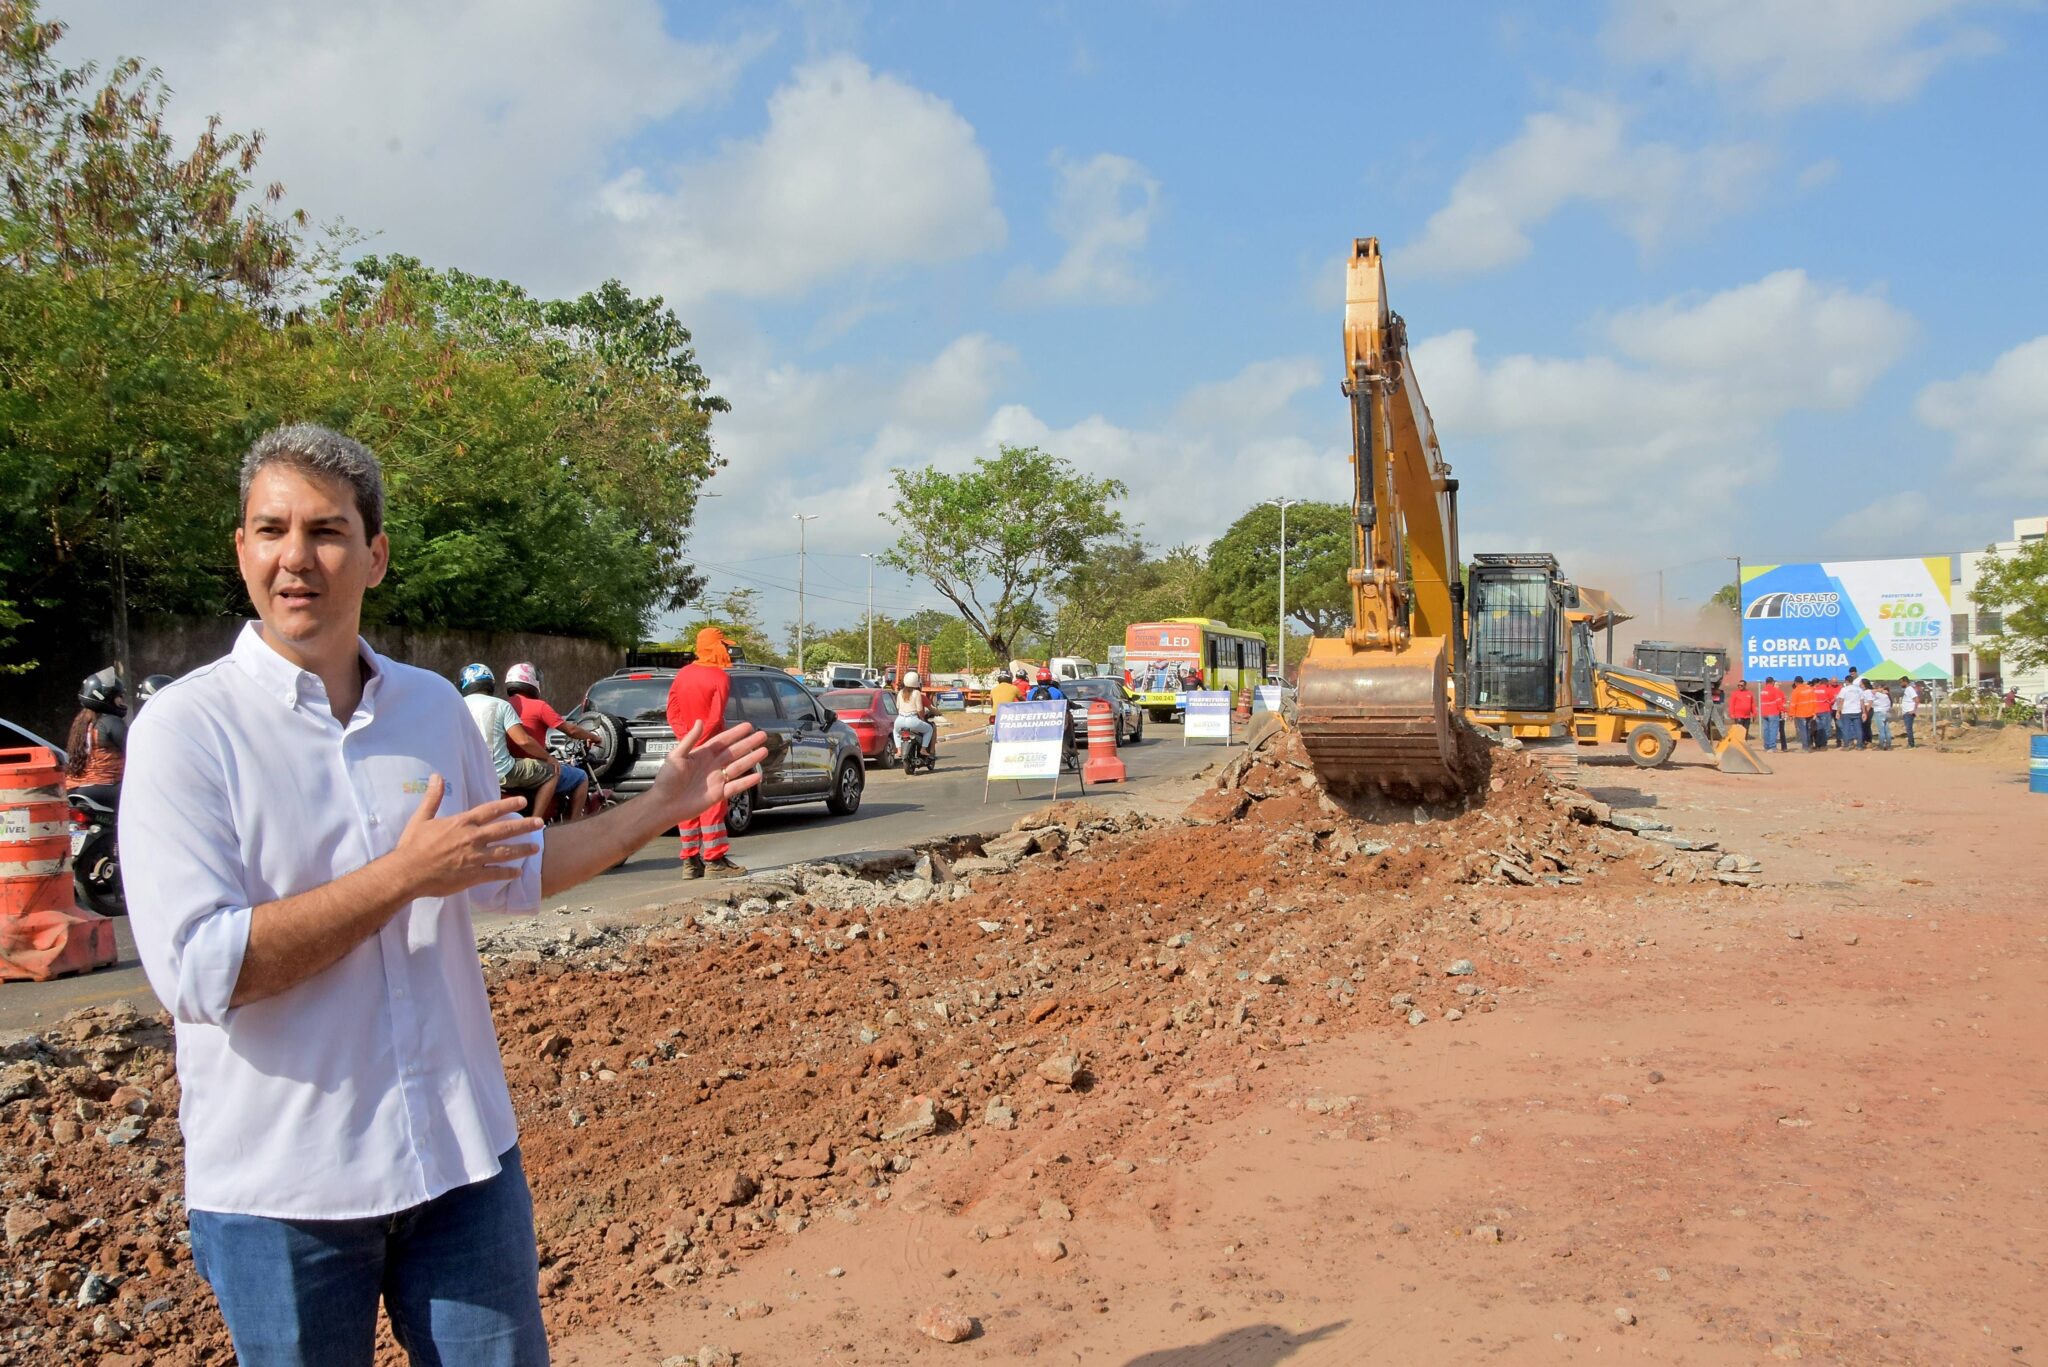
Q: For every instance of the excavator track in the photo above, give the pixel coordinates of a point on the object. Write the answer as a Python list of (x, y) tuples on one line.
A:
[(1380, 721)]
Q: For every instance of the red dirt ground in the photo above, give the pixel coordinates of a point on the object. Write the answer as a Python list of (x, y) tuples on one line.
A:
[(1657, 1102)]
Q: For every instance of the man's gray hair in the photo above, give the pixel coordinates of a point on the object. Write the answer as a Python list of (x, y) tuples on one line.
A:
[(315, 450)]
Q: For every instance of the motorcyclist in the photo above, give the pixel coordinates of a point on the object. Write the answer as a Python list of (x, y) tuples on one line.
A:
[(150, 687), (522, 690), (98, 745), (510, 743), (914, 713), (1048, 690)]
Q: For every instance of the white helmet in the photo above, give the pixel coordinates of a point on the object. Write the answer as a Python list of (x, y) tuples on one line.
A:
[(911, 680), (523, 673)]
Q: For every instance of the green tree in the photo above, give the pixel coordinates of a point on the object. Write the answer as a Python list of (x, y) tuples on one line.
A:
[(2016, 585), (1243, 583), (135, 276), (1728, 596), (1121, 582), (1001, 539), (737, 613)]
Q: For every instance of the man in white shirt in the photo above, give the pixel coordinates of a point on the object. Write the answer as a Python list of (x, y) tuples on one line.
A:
[(1909, 709), (302, 905), (1849, 713), (1880, 698)]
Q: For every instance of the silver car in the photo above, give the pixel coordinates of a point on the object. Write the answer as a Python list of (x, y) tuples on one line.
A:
[(812, 755)]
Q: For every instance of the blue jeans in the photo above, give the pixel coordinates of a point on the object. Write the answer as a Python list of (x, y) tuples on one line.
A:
[(1774, 733), (1882, 721), (1909, 730), (1852, 730), (458, 1275), (568, 784), (1823, 728)]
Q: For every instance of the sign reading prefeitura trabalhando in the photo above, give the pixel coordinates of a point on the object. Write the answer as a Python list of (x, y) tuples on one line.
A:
[(1886, 619)]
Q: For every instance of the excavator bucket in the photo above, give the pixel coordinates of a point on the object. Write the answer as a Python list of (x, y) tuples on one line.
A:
[(1380, 721), (1734, 755)]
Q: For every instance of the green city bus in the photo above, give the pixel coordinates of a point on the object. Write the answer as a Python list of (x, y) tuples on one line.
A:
[(1160, 657)]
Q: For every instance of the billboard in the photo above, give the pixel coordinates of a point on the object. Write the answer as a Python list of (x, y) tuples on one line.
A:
[(1886, 619)]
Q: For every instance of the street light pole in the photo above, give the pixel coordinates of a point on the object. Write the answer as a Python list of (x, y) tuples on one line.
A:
[(867, 556), (803, 521), (1283, 504)]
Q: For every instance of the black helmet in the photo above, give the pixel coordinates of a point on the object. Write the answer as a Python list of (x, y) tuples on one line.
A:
[(102, 692), (147, 689)]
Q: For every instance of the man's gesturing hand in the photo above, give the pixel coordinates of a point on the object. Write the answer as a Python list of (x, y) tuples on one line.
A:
[(444, 855), (697, 778)]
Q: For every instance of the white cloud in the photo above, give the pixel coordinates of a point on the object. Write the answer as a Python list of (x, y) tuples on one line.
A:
[(1998, 421), (1652, 447), (1907, 518), (1251, 398), (856, 171), (953, 389), (1103, 210), (474, 132), (1580, 152), (1783, 56)]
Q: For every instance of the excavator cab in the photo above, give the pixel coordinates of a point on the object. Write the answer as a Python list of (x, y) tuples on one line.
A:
[(1518, 648)]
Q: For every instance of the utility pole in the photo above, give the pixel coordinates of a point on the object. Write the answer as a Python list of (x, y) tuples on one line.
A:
[(803, 521), (1283, 504), (869, 557), (1660, 602)]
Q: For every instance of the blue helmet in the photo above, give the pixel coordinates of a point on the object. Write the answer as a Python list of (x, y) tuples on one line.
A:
[(478, 676)]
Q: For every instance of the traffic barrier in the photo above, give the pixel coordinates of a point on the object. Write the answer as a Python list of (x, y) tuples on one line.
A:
[(2037, 764), (42, 935), (1104, 764), (1244, 704)]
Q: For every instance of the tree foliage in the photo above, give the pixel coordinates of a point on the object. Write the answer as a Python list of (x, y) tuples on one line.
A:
[(1121, 582), (2017, 586), (157, 313), (1002, 539), (1243, 582), (737, 613)]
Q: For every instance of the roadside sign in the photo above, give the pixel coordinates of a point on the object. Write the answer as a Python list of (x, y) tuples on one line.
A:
[(1027, 740), (1266, 698), (953, 700), (1208, 715)]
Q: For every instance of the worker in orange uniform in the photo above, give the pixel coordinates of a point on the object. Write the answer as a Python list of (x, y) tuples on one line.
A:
[(1803, 708), (697, 695), (1771, 703)]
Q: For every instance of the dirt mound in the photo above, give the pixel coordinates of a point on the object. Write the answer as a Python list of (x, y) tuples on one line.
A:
[(2000, 745), (690, 1094)]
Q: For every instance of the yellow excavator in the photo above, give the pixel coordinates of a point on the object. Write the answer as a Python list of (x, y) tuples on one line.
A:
[(1374, 706), (1379, 708)]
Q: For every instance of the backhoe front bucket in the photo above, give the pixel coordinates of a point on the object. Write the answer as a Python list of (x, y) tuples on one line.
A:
[(1734, 755), (1380, 720)]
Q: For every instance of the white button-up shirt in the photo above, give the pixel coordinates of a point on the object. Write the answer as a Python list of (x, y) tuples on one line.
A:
[(375, 1084)]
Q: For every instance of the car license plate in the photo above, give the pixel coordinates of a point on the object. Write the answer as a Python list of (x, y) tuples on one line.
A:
[(78, 836), (660, 747)]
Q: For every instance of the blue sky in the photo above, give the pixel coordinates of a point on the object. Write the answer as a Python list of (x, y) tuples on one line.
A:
[(1686, 278)]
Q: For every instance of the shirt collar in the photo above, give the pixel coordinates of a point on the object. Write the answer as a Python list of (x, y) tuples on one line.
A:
[(286, 681)]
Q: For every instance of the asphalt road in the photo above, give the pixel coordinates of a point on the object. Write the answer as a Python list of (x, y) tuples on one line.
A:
[(896, 812)]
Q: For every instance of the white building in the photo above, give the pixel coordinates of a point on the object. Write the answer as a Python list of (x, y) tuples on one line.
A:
[(1974, 627)]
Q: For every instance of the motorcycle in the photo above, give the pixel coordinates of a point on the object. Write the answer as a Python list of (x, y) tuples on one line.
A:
[(569, 750), (95, 857), (912, 754)]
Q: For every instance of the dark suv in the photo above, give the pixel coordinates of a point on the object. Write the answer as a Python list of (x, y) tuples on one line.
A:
[(812, 756)]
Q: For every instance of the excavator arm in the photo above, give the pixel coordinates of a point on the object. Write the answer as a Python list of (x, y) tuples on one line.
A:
[(1375, 707)]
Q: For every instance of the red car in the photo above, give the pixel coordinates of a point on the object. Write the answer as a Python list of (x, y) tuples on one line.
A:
[(870, 713)]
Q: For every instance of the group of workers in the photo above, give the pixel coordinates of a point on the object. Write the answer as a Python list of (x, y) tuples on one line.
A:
[(1848, 712)]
